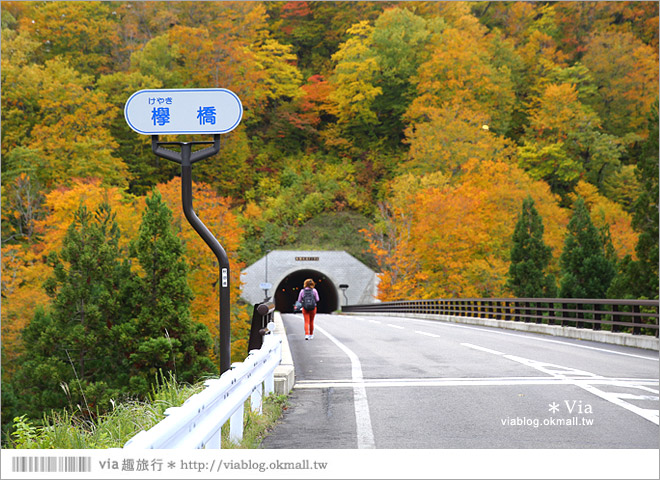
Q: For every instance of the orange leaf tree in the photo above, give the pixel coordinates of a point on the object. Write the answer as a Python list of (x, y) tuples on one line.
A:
[(453, 239), (216, 214)]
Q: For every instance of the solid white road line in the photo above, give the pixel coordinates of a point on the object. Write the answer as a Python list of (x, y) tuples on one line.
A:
[(615, 398), (365, 434)]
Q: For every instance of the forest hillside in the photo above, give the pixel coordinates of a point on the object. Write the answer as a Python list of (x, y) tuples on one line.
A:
[(415, 135)]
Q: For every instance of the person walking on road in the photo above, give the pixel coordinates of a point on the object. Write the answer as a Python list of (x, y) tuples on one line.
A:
[(309, 297)]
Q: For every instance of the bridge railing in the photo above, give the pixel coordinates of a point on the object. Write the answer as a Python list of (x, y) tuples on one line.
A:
[(261, 317), (198, 422), (638, 317)]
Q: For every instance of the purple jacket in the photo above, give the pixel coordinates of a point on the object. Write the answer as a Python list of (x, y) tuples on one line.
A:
[(302, 291)]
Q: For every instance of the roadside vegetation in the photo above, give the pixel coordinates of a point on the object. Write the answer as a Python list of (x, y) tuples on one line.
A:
[(71, 429)]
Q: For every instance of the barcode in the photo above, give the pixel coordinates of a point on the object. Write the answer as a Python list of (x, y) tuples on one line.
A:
[(51, 464)]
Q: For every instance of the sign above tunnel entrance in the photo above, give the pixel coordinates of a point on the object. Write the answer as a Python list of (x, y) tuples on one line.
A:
[(307, 259), (183, 111)]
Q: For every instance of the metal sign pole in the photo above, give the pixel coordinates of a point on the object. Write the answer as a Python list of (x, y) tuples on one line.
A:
[(186, 157), (343, 287), (191, 111)]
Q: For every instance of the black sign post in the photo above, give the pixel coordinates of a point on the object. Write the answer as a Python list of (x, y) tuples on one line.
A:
[(186, 157), (188, 111)]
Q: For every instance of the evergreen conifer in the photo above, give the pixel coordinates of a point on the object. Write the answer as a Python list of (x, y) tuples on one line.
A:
[(645, 216), (70, 349), (586, 270), (162, 336), (530, 257), (639, 278)]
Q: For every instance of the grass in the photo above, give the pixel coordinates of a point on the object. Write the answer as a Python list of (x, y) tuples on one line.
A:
[(67, 430), (256, 426)]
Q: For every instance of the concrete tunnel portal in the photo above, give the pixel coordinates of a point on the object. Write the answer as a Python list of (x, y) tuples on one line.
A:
[(340, 279), (286, 293)]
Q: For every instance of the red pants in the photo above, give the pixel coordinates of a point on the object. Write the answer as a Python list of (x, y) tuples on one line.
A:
[(309, 321)]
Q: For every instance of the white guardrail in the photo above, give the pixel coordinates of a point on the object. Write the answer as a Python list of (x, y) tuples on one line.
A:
[(197, 423)]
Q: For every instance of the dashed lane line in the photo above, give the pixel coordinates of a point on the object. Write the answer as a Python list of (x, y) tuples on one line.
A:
[(395, 326), (476, 347), (536, 338), (491, 330), (428, 334)]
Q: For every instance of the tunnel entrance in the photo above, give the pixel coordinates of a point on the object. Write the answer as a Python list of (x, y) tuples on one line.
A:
[(286, 293)]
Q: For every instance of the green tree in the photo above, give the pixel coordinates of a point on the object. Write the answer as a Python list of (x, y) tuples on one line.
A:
[(399, 42), (564, 141), (586, 270), (71, 355), (163, 336), (530, 256), (144, 168), (353, 78), (645, 217), (639, 278), (59, 121)]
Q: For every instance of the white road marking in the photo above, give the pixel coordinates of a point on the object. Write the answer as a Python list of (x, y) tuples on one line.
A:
[(649, 390), (630, 396), (432, 382), (583, 380), (428, 334), (374, 321), (487, 350), (532, 337), (365, 434), (395, 326), (476, 382), (650, 415)]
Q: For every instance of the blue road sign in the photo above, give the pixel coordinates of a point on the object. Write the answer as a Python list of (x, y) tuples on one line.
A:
[(183, 111)]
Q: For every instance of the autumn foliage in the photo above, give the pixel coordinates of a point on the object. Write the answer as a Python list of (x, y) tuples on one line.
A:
[(431, 122), (450, 240)]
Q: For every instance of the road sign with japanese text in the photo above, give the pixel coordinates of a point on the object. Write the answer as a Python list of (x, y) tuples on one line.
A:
[(183, 111)]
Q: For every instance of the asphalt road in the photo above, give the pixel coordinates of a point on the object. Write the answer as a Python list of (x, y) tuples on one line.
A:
[(390, 382)]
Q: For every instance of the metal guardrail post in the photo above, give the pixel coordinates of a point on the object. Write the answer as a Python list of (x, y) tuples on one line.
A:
[(637, 319), (615, 318), (198, 422), (580, 316), (597, 318), (551, 314)]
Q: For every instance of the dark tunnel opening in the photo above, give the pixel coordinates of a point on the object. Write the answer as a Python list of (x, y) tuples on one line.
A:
[(287, 291)]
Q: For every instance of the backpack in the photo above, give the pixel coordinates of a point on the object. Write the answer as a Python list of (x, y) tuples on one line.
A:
[(308, 300)]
